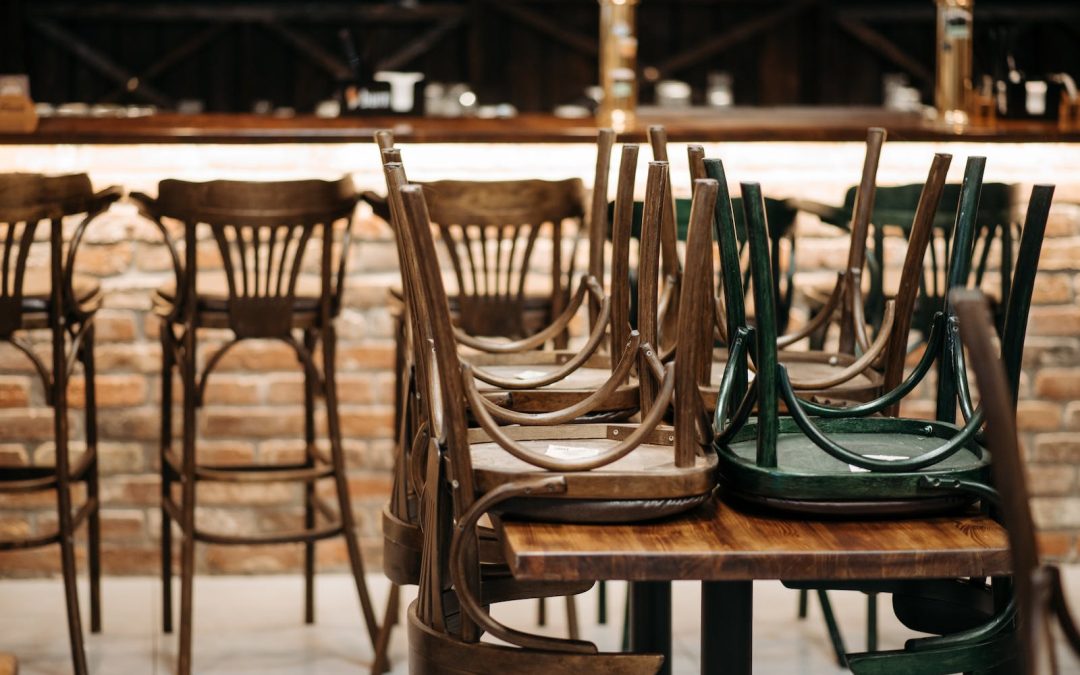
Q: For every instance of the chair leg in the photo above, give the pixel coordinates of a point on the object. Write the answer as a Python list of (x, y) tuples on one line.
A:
[(92, 485), (187, 507), (63, 507), (571, 618), (341, 481), (871, 622), (309, 487), (601, 603), (835, 637), (166, 477), (71, 591), (381, 663)]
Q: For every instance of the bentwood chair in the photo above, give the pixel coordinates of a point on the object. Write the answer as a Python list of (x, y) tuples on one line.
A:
[(519, 373), (541, 468), (1041, 600), (264, 232), (57, 300)]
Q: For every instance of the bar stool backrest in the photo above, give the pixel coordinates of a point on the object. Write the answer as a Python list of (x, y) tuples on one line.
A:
[(490, 231), (26, 199), (262, 231)]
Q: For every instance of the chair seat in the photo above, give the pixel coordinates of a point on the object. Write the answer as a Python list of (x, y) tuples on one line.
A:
[(809, 480), (643, 485)]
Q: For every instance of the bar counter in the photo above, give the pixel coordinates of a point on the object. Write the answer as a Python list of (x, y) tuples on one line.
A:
[(693, 125)]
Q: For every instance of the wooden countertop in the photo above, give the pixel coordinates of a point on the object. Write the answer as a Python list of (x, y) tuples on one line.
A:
[(719, 542), (736, 124)]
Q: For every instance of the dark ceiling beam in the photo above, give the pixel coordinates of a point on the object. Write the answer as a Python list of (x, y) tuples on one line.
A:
[(733, 36), (884, 47), (309, 48), (239, 12), (419, 45), (95, 60), (588, 45), (173, 57)]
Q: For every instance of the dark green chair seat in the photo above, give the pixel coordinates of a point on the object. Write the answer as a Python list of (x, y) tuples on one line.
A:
[(812, 482)]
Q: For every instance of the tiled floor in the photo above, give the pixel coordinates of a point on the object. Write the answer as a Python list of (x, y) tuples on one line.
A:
[(253, 625)]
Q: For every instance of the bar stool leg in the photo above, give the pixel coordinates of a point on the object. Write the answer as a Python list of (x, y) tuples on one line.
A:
[(381, 664), (92, 492), (310, 338), (187, 508), (63, 502), (342, 483), (166, 476)]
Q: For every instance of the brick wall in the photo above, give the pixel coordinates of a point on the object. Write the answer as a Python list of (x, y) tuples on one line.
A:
[(253, 411)]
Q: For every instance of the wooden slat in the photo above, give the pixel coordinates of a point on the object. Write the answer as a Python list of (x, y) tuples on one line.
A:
[(719, 543)]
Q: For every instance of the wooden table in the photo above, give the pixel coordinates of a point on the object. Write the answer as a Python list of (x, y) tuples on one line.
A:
[(727, 549)]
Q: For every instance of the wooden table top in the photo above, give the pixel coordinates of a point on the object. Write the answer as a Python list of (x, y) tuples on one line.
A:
[(717, 542)]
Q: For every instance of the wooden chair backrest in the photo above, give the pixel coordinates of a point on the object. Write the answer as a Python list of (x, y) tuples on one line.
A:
[(27, 199), (489, 230), (262, 230)]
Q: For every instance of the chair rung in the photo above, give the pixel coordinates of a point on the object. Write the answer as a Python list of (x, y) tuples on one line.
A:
[(51, 537), (248, 473), (35, 478), (287, 537)]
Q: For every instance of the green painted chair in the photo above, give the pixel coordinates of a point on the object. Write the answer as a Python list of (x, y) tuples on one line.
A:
[(895, 207), (822, 460)]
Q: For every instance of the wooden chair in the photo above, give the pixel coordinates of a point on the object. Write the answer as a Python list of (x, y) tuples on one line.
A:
[(599, 473), (262, 232), (63, 303), (853, 371), (517, 374), (1041, 599)]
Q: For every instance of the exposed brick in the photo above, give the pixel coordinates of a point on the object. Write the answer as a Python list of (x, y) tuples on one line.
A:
[(1058, 383), (1063, 255), (135, 559), (1054, 320), (14, 527), (228, 389), (1059, 447), (1055, 544), (368, 356), (1051, 289), (1056, 512), (262, 422), (13, 454), (14, 391), (114, 326), (26, 424), (111, 391), (1038, 415), (1051, 479), (105, 260), (219, 453)]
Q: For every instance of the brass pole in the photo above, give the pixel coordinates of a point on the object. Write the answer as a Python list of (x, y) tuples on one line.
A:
[(953, 91), (618, 64)]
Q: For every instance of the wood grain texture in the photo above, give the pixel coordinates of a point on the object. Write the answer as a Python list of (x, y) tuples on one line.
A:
[(741, 124), (717, 542)]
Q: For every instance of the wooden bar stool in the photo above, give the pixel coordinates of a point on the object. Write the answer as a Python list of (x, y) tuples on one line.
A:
[(262, 232), (60, 302)]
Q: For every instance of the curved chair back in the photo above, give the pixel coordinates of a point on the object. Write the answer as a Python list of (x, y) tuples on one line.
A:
[(490, 230), (262, 231), (27, 199)]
